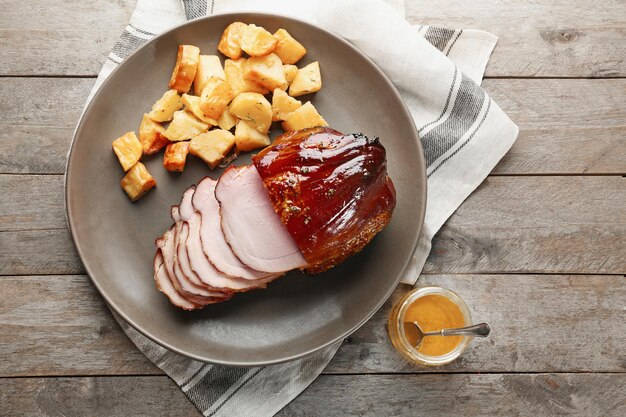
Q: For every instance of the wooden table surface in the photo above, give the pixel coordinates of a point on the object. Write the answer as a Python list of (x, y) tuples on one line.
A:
[(539, 250)]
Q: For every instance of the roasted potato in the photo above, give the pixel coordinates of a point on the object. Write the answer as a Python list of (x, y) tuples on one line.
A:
[(288, 49), (184, 126), (308, 80), (137, 182), (256, 41), (163, 110), (128, 150), (151, 135), (229, 44), (248, 138), (212, 146), (266, 70), (283, 104), (226, 121), (185, 69), (253, 108), (290, 72), (306, 116), (175, 156), (234, 75), (192, 104), (216, 95), (208, 66)]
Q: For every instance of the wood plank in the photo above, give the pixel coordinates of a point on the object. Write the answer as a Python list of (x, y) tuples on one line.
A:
[(540, 38), (589, 395), (544, 38), (38, 252), (59, 325), (59, 37), (510, 224), (557, 118)]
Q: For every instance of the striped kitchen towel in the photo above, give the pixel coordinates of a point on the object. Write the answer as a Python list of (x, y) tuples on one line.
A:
[(463, 131)]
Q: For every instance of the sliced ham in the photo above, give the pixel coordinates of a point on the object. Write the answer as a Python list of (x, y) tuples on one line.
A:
[(251, 226), (214, 244), (185, 209), (175, 213), (164, 285)]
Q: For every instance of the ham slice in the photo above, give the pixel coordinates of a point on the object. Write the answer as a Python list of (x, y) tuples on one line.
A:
[(214, 244), (164, 285), (251, 226)]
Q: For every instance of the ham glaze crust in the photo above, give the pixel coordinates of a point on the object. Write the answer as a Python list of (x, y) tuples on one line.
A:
[(330, 190)]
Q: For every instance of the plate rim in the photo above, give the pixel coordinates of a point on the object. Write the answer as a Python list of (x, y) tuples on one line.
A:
[(111, 304)]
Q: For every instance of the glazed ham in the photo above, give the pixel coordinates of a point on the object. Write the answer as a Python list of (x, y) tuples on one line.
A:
[(309, 201)]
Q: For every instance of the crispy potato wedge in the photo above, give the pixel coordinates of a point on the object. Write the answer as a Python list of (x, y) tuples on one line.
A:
[(248, 138), (266, 70), (307, 80), (151, 135), (253, 108), (192, 104), (256, 41), (212, 146), (290, 72), (175, 156), (208, 66), (234, 75), (184, 126), (185, 68), (227, 121), (163, 110), (283, 104), (288, 49), (229, 43), (137, 182), (128, 149), (216, 95), (306, 116)]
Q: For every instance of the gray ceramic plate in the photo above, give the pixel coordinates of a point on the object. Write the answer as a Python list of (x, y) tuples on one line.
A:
[(295, 315)]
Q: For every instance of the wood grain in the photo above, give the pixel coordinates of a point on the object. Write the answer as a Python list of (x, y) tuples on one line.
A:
[(544, 39), (557, 118), (59, 325), (541, 38), (510, 224), (365, 396)]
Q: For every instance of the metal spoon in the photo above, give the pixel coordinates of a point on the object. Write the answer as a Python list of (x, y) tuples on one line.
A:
[(413, 329)]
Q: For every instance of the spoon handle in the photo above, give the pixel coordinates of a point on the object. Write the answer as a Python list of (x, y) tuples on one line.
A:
[(480, 330)]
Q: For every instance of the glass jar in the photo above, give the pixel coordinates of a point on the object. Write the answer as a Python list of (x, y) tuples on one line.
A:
[(395, 326)]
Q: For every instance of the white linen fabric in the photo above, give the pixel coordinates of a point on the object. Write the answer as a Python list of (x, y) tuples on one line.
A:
[(463, 131)]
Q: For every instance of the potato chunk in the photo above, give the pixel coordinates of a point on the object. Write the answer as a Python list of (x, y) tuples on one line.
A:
[(288, 49), (248, 138), (216, 95), (128, 150), (234, 75), (253, 108), (226, 121), (229, 43), (266, 70), (256, 41), (151, 135), (185, 69), (208, 66), (212, 146), (175, 156), (283, 104), (290, 72), (192, 104), (184, 126), (137, 182), (163, 110), (308, 80), (306, 116)]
